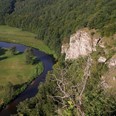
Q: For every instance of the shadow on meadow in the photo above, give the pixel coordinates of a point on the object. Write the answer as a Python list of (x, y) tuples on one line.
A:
[(2, 51), (3, 58)]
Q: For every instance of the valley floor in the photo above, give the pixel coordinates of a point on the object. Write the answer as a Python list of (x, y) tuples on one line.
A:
[(15, 35), (14, 73)]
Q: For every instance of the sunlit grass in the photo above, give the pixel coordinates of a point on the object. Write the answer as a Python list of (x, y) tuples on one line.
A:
[(12, 34), (14, 69)]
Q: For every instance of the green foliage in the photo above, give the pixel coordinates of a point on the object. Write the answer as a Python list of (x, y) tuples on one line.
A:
[(13, 79), (41, 104), (16, 35), (55, 20), (6, 7), (9, 91), (94, 99), (29, 56), (12, 50), (37, 71)]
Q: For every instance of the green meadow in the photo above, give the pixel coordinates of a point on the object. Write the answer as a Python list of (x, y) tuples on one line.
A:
[(13, 69), (16, 35)]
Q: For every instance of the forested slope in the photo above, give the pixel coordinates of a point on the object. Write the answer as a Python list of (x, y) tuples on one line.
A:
[(56, 20), (72, 88)]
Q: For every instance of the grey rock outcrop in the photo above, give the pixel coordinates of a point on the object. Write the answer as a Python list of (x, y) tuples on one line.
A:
[(102, 59), (112, 62), (81, 44)]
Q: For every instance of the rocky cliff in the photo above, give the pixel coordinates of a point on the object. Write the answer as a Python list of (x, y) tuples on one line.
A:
[(81, 44), (84, 42)]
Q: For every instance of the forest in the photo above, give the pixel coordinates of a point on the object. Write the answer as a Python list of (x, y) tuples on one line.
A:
[(72, 88), (55, 20), (63, 93)]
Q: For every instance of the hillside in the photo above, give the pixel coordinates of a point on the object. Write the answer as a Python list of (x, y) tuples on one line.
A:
[(83, 35), (55, 20)]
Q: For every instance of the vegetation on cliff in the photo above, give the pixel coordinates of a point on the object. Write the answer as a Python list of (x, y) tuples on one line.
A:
[(72, 88)]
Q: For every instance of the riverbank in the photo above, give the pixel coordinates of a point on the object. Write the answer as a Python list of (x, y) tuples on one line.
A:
[(16, 35), (32, 89), (15, 75)]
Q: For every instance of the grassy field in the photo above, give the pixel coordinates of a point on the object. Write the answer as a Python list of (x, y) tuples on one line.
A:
[(12, 34), (14, 69)]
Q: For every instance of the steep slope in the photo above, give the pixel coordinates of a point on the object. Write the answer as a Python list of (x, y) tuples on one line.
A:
[(81, 44), (81, 86)]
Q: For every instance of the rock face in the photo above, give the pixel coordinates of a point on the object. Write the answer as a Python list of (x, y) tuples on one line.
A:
[(81, 44), (112, 62), (64, 48), (102, 59)]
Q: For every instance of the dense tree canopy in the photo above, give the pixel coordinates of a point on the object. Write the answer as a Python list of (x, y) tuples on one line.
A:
[(6, 7), (54, 20), (68, 91)]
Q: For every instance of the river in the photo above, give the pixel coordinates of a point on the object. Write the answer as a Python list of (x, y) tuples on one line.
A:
[(32, 89)]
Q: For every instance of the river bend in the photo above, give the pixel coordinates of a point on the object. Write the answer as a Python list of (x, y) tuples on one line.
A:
[(32, 89)]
